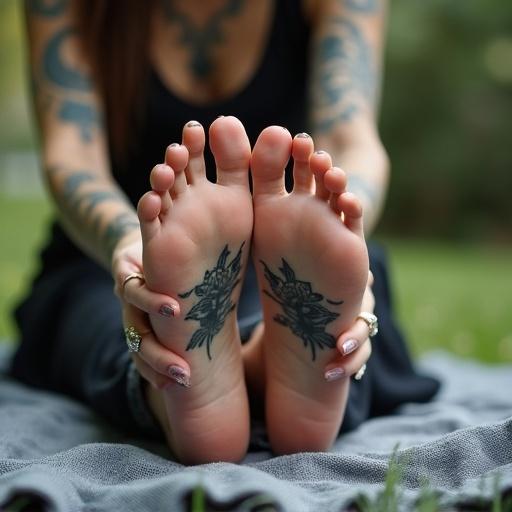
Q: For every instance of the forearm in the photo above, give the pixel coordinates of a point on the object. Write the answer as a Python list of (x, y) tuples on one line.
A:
[(91, 207)]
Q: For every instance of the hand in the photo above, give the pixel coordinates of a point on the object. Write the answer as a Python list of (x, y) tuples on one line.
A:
[(354, 345), (157, 364)]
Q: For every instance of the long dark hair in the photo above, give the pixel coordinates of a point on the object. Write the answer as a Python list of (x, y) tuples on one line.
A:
[(115, 37)]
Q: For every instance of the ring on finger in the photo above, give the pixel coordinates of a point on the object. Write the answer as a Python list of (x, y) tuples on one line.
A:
[(371, 320), (360, 373), (133, 275), (133, 339)]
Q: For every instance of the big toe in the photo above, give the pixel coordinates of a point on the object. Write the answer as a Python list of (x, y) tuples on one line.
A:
[(269, 158), (232, 151)]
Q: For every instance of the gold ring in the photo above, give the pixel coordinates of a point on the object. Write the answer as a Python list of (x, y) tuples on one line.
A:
[(371, 320), (133, 275), (360, 373), (133, 339)]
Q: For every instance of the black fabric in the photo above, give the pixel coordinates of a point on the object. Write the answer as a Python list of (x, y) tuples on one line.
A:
[(70, 325)]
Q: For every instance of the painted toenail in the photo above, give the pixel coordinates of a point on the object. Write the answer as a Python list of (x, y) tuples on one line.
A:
[(166, 310), (179, 375), (193, 124), (349, 346), (303, 135), (334, 374)]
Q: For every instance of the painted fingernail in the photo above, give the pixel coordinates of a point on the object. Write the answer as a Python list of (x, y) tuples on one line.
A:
[(166, 310), (193, 124), (349, 346), (334, 374), (179, 375), (303, 135)]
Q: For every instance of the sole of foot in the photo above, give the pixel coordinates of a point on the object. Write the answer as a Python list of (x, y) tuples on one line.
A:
[(196, 239), (312, 265)]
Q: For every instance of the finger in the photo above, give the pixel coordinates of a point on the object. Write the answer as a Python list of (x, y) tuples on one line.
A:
[(139, 295), (352, 339), (164, 361), (160, 359), (155, 379), (348, 365)]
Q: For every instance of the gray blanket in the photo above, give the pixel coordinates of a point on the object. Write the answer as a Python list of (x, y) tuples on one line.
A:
[(66, 458)]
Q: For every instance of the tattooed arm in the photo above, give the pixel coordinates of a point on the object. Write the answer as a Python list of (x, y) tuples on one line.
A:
[(91, 206), (345, 83)]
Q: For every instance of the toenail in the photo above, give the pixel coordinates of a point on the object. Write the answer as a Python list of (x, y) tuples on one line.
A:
[(179, 375), (349, 346), (334, 374), (193, 124), (320, 152), (174, 144), (218, 117), (166, 310), (303, 135)]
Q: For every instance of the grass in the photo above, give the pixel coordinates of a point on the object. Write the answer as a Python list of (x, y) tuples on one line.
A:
[(456, 297)]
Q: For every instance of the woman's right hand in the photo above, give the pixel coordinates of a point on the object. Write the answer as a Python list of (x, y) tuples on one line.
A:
[(157, 364)]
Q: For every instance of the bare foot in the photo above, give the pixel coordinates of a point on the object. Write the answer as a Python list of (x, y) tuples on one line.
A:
[(312, 265), (196, 238)]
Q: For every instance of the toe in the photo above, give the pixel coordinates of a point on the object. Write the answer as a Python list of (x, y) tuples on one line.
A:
[(335, 181), (232, 151), (162, 179), (194, 140), (302, 149), (269, 158), (148, 210), (352, 209), (320, 163), (176, 156)]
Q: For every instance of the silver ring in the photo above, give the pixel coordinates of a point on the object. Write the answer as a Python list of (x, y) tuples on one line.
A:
[(372, 322), (133, 339), (360, 373), (133, 275)]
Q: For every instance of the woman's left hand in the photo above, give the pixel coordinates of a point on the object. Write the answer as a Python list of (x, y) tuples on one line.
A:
[(354, 345)]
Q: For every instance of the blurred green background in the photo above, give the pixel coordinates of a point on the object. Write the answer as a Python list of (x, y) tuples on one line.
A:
[(447, 124)]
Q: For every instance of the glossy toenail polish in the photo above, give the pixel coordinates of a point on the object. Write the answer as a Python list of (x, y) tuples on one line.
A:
[(334, 374), (349, 346), (193, 124), (166, 310), (303, 135), (179, 375)]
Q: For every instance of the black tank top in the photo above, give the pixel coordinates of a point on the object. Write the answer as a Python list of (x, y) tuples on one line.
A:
[(276, 94)]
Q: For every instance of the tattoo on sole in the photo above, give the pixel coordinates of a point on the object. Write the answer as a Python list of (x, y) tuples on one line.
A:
[(303, 312), (214, 304)]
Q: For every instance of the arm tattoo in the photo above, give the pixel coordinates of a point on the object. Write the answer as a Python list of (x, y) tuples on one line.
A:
[(345, 76), (303, 313), (362, 6), (82, 205), (47, 8), (360, 186), (214, 303), (84, 116), (201, 41)]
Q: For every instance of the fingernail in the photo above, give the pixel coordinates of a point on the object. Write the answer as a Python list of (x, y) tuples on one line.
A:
[(174, 144), (320, 152), (218, 117), (334, 374), (303, 135), (193, 124), (166, 310), (179, 375), (349, 346)]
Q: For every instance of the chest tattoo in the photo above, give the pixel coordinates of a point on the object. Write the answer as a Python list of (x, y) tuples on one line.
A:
[(201, 41)]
